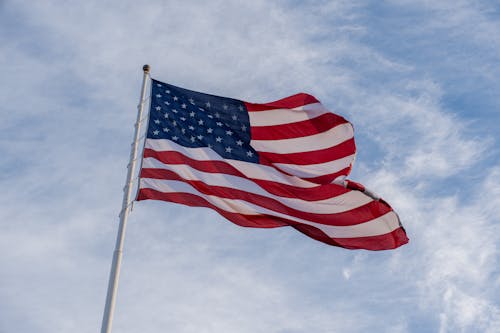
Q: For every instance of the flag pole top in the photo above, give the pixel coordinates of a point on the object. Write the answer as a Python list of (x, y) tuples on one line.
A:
[(146, 68)]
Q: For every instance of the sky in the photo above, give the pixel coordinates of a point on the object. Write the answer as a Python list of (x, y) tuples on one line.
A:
[(419, 80)]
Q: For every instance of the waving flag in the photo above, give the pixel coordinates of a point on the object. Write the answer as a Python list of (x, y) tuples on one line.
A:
[(269, 165)]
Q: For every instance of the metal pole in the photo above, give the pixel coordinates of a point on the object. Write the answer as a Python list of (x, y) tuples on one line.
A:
[(107, 319)]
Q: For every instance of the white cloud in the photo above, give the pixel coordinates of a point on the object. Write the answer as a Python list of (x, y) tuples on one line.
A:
[(457, 248)]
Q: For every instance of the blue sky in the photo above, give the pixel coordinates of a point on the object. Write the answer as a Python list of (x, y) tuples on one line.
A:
[(419, 80)]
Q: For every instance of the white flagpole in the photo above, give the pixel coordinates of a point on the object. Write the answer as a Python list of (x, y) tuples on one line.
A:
[(107, 319)]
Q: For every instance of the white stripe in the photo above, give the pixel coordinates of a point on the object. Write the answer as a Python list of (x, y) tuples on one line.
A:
[(315, 170), (286, 116), (338, 204), (327, 139), (250, 170), (379, 226)]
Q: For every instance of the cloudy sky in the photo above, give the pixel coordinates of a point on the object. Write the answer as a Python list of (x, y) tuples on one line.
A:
[(420, 81)]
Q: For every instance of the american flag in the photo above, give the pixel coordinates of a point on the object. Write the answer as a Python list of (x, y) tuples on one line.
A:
[(268, 165)]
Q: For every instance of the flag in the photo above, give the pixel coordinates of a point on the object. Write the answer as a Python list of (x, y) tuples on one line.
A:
[(268, 165)]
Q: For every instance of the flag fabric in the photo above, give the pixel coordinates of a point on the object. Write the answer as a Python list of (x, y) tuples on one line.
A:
[(268, 165)]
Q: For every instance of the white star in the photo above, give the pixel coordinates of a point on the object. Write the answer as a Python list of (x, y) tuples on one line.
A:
[(200, 137), (175, 138), (207, 104), (166, 130), (183, 105), (243, 128), (229, 149), (225, 107), (241, 108), (175, 98), (218, 139), (249, 154), (166, 115), (239, 143), (158, 85), (229, 133), (174, 123), (217, 115), (200, 122), (158, 108), (191, 101), (174, 111), (191, 114), (210, 116), (183, 130), (209, 146), (209, 130), (157, 121), (219, 123), (193, 139), (167, 103), (156, 132), (191, 128), (183, 118), (201, 109), (167, 91), (158, 95), (234, 117)]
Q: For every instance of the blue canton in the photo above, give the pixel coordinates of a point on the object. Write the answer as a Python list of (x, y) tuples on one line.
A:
[(194, 119)]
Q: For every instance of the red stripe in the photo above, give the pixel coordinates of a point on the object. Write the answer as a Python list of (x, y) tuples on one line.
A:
[(341, 150), (290, 102), (188, 199), (320, 180), (388, 241), (365, 213), (355, 186), (310, 194), (382, 242), (327, 179), (298, 129)]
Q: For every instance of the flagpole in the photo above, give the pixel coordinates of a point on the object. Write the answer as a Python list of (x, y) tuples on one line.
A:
[(109, 308)]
